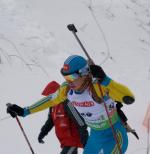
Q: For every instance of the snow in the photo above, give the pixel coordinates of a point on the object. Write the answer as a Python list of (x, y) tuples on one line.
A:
[(34, 42)]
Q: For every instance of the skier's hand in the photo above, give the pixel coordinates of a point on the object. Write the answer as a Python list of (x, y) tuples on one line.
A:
[(15, 110), (97, 72), (40, 138)]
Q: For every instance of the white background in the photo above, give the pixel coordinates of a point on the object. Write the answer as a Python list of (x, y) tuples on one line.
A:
[(34, 42)]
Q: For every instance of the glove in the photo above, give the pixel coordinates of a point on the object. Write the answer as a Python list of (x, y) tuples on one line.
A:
[(97, 72), (15, 110), (128, 100), (40, 138)]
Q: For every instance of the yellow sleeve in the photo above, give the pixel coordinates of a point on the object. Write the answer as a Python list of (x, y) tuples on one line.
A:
[(120, 92), (49, 101), (116, 91)]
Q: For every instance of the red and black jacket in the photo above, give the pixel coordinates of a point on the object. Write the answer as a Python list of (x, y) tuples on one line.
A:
[(70, 127), (68, 132)]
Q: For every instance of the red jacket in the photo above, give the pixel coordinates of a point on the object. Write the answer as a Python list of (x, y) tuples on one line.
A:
[(65, 128)]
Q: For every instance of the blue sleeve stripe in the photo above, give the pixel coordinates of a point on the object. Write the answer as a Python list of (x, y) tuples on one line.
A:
[(26, 112), (39, 103), (106, 81)]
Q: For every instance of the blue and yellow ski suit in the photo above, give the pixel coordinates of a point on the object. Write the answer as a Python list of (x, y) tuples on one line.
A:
[(101, 139)]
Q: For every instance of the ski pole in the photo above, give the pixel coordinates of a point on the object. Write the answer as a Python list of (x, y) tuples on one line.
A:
[(73, 29), (24, 134)]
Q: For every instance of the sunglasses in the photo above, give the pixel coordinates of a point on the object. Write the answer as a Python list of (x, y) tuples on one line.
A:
[(71, 77)]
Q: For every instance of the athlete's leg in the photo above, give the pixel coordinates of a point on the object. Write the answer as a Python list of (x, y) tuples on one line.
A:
[(103, 142)]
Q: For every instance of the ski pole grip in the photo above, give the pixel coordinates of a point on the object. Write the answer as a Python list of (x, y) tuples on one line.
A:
[(72, 28)]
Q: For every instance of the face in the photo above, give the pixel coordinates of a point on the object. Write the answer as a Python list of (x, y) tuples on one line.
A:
[(76, 83)]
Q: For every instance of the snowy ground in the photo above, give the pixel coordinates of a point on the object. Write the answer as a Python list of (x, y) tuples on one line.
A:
[(34, 42)]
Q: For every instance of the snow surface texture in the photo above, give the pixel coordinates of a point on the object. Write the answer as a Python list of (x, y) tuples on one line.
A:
[(34, 42)]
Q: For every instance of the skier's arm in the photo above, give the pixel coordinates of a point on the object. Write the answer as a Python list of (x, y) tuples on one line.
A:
[(58, 97), (116, 90), (46, 127), (44, 103)]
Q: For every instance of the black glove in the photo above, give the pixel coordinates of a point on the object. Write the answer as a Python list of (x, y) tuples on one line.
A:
[(97, 72), (15, 110), (40, 138), (128, 100)]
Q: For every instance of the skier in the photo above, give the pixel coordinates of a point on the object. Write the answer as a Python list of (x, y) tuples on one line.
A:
[(69, 132), (93, 94)]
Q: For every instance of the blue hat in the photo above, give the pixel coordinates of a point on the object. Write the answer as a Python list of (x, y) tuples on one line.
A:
[(73, 64)]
